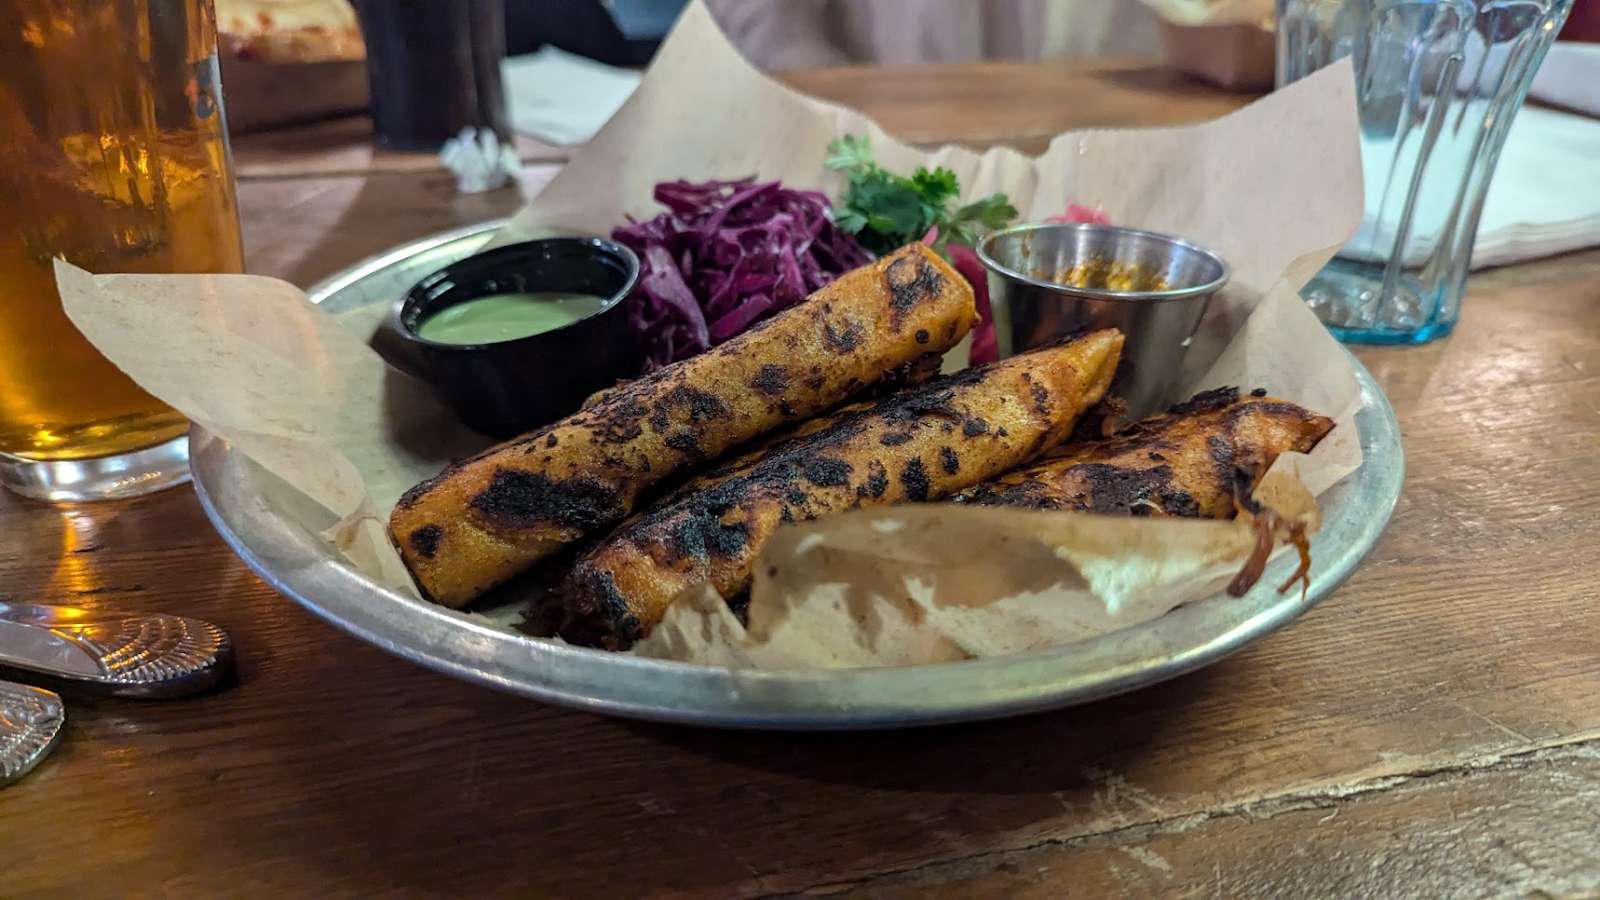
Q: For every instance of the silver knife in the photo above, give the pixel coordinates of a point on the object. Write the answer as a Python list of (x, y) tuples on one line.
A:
[(30, 725), (124, 655)]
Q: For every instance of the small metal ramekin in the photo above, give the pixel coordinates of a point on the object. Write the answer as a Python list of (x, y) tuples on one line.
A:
[(1032, 308)]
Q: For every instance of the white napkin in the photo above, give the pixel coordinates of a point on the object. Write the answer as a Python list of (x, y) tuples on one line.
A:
[(1543, 199), (1569, 77), (562, 98)]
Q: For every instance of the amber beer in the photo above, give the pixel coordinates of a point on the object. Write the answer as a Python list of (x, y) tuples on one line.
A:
[(115, 158)]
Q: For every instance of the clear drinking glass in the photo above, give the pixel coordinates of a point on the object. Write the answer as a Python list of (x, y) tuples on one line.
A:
[(1438, 83), (433, 67), (115, 158)]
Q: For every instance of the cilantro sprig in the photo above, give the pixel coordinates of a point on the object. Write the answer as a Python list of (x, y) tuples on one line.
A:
[(886, 211)]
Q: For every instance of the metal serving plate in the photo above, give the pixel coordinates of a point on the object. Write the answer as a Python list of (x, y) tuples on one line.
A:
[(245, 502)]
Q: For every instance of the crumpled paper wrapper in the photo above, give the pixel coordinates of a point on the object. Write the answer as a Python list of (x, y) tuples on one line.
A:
[(912, 585), (1275, 188)]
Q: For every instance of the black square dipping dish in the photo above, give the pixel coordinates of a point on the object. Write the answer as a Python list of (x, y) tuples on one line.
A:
[(519, 336)]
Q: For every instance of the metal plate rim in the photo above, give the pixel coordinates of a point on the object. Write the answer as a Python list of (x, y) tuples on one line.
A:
[(302, 567)]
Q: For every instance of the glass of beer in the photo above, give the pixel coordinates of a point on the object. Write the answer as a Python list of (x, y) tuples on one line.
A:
[(115, 158)]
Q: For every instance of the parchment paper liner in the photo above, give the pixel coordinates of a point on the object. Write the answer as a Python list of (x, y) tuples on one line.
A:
[(1275, 188)]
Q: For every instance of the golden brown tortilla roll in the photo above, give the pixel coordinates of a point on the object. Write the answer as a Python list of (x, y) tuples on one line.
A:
[(917, 445), (1185, 462), (490, 517)]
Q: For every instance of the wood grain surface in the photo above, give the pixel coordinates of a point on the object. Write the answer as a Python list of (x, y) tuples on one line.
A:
[(343, 146), (1035, 102), (1020, 104), (1432, 730)]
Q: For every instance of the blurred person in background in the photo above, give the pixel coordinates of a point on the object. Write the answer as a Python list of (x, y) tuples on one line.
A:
[(1583, 23), (616, 32), (784, 34)]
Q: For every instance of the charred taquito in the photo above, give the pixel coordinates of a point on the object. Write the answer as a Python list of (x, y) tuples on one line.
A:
[(490, 517), (1193, 460), (918, 445)]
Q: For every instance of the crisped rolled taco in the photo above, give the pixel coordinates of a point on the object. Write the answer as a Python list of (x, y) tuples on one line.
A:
[(918, 445), (1190, 461), (490, 517)]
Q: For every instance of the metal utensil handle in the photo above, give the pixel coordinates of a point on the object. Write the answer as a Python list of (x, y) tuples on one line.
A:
[(152, 656), (30, 724)]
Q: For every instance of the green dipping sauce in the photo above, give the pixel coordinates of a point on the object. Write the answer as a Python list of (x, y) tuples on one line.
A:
[(507, 317)]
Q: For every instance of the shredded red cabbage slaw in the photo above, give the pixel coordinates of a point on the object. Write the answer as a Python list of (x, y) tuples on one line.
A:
[(725, 255)]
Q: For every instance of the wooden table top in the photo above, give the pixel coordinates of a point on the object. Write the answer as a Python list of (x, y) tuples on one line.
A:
[(1431, 729), (1043, 99)]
